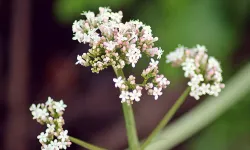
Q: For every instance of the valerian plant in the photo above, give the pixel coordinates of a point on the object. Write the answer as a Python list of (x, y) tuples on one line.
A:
[(116, 44)]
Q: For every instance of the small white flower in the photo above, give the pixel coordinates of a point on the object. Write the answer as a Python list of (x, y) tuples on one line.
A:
[(153, 63), (195, 93), (149, 86), (135, 95), (175, 55), (137, 23), (59, 106), (106, 59), (48, 147), (110, 45), (195, 81), (81, 37), (50, 128), (162, 81), (104, 10), (133, 60), (201, 48), (80, 60), (189, 67), (153, 51), (43, 137), (89, 15), (93, 35), (217, 76), (205, 88), (147, 32), (198, 77), (117, 17), (55, 144), (131, 79), (43, 113), (120, 37), (49, 101), (118, 82), (124, 96), (36, 114), (63, 135), (159, 54), (213, 63), (85, 38), (215, 89), (77, 26), (33, 107), (157, 92), (96, 38), (63, 145), (133, 54), (133, 36), (193, 84)]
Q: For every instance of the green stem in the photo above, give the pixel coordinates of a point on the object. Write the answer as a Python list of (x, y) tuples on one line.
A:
[(166, 118), (133, 141), (85, 144)]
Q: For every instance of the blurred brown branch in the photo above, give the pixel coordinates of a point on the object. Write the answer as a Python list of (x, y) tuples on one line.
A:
[(16, 125)]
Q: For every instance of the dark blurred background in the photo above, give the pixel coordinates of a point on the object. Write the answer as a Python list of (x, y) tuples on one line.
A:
[(37, 60)]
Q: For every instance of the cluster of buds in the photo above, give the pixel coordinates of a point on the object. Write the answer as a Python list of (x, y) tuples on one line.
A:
[(153, 83), (204, 71), (113, 43), (50, 114)]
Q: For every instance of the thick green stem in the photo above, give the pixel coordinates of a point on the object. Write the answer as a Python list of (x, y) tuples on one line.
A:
[(85, 144), (166, 118), (133, 141)]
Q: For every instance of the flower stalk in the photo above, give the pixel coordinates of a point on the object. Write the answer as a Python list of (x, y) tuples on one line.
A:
[(85, 144), (133, 141), (166, 118)]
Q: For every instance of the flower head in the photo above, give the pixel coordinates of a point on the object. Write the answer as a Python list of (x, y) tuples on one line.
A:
[(50, 113), (116, 44), (108, 37), (204, 72)]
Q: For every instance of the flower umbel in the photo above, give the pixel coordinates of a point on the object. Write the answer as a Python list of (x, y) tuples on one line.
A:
[(50, 113), (204, 71), (113, 43), (153, 83)]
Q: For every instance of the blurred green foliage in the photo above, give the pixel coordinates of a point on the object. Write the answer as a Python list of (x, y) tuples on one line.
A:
[(67, 11), (229, 132), (218, 24)]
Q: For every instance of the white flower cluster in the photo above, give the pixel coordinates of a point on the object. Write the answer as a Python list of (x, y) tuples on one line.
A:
[(50, 113), (113, 43), (204, 72), (153, 83)]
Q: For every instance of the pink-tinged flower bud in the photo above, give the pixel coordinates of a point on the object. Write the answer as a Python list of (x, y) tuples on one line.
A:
[(222, 86), (133, 41)]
